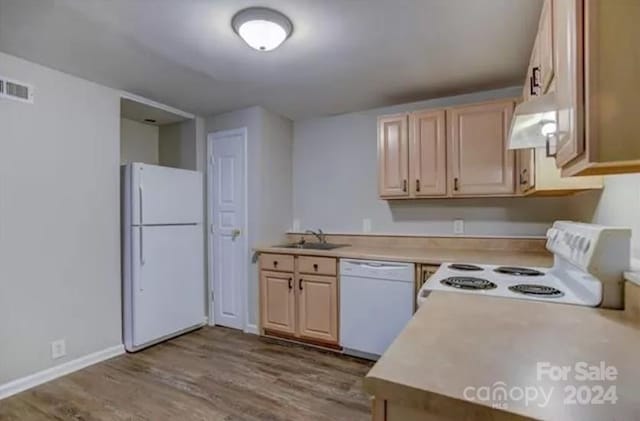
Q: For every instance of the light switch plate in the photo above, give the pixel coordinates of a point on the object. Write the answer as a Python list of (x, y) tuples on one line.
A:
[(58, 349), (366, 225), (458, 226)]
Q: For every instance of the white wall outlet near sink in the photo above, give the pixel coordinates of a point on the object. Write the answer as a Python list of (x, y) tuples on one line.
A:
[(458, 226), (58, 349)]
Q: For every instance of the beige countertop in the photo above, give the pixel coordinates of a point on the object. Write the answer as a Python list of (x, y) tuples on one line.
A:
[(433, 256), (633, 277), (456, 344)]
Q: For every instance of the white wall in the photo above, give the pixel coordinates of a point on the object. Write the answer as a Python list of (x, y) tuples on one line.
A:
[(178, 145), (59, 220), (269, 145), (617, 205), (138, 142), (335, 184)]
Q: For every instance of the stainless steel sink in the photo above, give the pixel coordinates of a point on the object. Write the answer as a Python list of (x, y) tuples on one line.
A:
[(312, 246)]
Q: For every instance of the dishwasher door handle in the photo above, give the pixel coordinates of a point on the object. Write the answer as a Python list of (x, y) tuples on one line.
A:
[(378, 265)]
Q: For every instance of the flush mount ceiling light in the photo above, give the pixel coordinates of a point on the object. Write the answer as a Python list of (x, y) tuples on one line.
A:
[(261, 28)]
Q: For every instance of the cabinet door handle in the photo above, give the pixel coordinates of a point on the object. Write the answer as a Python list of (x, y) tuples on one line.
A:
[(404, 186), (455, 184), (315, 267), (290, 283), (418, 186), (536, 77), (300, 284), (275, 263), (532, 89), (548, 146), (523, 177)]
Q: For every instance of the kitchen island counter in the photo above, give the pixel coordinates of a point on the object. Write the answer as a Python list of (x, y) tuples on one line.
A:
[(459, 346)]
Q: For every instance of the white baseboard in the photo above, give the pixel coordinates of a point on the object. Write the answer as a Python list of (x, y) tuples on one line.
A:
[(32, 380), (252, 329)]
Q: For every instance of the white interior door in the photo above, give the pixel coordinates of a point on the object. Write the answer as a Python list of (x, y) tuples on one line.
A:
[(228, 252)]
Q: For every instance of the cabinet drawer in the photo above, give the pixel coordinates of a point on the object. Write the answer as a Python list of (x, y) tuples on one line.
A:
[(279, 262), (317, 265)]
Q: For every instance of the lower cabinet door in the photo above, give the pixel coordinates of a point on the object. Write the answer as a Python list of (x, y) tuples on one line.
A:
[(278, 302), (318, 308)]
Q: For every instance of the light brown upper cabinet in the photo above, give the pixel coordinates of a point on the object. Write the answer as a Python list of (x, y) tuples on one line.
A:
[(427, 154), (544, 54), (588, 55), (462, 152), (541, 65), (480, 163), (393, 156), (538, 176)]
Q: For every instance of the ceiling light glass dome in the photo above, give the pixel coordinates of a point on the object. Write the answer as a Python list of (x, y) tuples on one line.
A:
[(261, 28)]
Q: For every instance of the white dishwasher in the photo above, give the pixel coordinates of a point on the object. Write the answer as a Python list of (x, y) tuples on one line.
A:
[(376, 302)]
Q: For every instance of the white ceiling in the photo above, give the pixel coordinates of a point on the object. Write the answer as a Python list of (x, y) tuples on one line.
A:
[(344, 55)]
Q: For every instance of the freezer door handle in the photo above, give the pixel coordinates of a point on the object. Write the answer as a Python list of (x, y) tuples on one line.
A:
[(140, 207)]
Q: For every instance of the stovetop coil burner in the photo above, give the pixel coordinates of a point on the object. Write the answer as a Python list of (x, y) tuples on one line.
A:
[(469, 283), (465, 267), (537, 290), (516, 271)]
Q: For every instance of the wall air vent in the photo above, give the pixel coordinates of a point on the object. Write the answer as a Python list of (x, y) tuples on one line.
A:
[(12, 89)]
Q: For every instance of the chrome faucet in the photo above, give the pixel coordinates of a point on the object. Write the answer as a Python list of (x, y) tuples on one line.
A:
[(319, 235)]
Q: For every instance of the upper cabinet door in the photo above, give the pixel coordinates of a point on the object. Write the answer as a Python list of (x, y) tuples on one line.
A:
[(545, 48), (480, 162), (567, 29), (428, 154), (526, 169), (393, 156)]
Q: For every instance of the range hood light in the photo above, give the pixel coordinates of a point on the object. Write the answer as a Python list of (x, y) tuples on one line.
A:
[(533, 123), (548, 128)]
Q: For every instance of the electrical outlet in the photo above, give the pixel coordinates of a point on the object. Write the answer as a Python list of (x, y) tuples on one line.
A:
[(58, 349), (366, 225), (458, 226)]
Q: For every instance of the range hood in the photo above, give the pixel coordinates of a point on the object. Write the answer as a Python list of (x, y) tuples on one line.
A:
[(533, 123)]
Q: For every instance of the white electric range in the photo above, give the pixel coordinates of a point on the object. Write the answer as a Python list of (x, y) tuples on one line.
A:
[(589, 265)]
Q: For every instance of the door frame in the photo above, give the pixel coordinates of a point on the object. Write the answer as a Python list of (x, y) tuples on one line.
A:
[(211, 137)]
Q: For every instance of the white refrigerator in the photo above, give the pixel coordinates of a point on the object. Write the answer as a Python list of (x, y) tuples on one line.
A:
[(162, 253)]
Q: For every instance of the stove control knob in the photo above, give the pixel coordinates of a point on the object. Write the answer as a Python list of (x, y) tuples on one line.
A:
[(581, 244)]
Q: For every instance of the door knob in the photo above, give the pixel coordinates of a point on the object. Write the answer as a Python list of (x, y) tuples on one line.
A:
[(235, 234)]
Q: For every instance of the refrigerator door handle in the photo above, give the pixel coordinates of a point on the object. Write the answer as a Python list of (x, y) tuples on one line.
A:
[(141, 246)]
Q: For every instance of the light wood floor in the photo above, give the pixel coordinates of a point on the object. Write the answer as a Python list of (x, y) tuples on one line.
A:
[(210, 374)]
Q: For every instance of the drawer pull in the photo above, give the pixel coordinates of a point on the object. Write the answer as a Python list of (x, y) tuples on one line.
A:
[(275, 263), (300, 284), (290, 283), (315, 267)]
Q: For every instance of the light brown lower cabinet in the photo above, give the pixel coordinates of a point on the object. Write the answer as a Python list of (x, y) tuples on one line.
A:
[(278, 301), (318, 307), (300, 304)]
